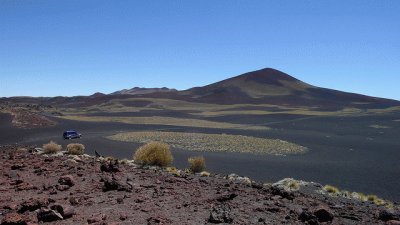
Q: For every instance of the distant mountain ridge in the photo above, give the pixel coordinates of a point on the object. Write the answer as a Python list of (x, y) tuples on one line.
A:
[(264, 86), (141, 91)]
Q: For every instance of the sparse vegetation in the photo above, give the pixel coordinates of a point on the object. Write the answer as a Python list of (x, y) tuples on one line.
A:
[(331, 189), (172, 121), (294, 185), (110, 158), (214, 142), (334, 191), (75, 149), (205, 174), (173, 171), (197, 164), (154, 153), (51, 148), (124, 161)]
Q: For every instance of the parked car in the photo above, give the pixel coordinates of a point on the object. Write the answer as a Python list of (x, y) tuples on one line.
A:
[(70, 134)]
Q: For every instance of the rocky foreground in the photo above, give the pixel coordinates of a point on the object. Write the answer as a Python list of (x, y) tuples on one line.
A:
[(63, 189)]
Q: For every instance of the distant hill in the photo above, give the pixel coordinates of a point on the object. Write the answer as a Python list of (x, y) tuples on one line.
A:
[(275, 87), (141, 91)]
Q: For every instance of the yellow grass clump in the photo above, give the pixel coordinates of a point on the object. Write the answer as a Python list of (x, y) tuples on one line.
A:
[(51, 148), (197, 164), (75, 149), (154, 153), (331, 189)]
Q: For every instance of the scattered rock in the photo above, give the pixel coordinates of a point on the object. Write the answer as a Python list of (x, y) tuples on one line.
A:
[(287, 184), (97, 218), (227, 197), (70, 162), (32, 205), (73, 201), (220, 213), (237, 178), (388, 214), (275, 190), (114, 183), (110, 166), (67, 180), (308, 217), (66, 211), (323, 214), (185, 199), (48, 215), (158, 220), (17, 166), (13, 219), (123, 216), (62, 187)]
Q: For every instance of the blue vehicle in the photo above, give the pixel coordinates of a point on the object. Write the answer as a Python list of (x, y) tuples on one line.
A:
[(70, 134)]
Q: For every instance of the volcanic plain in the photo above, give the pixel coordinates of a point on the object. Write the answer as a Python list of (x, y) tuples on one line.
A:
[(308, 133)]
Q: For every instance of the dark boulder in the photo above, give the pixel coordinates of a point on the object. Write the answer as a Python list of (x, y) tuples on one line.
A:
[(111, 183), (66, 211), (48, 215), (323, 214)]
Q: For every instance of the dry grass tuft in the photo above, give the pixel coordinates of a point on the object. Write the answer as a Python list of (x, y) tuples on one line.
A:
[(294, 186), (51, 148), (205, 174), (154, 153), (331, 189), (173, 171), (197, 164), (75, 149)]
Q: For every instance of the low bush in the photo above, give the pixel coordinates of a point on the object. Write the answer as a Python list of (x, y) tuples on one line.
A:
[(197, 164), (51, 148), (75, 149), (154, 153)]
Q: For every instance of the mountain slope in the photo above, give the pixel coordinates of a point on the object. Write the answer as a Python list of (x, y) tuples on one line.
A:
[(271, 86)]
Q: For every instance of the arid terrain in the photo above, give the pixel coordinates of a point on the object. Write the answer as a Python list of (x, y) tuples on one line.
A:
[(306, 132), (70, 189)]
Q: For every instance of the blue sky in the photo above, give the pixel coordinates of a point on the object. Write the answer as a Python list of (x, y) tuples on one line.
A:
[(76, 47)]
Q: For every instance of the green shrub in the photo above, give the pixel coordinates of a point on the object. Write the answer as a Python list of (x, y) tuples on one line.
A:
[(197, 164), (51, 148), (75, 149), (154, 153)]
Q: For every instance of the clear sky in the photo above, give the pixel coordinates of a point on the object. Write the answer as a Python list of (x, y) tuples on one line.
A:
[(78, 47)]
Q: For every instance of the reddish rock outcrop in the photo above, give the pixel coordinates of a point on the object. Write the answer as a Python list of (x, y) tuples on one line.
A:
[(97, 191)]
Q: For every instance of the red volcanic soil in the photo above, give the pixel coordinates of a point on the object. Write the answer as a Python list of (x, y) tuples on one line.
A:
[(66, 189), (23, 118)]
